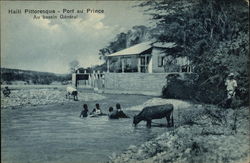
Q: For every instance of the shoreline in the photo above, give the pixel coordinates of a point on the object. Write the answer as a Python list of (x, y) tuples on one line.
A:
[(202, 133), (22, 96), (200, 136)]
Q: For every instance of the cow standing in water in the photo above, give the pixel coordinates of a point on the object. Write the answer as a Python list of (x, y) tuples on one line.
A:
[(155, 112), (72, 92)]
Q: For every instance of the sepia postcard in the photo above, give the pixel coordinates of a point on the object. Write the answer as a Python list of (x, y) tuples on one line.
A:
[(125, 81)]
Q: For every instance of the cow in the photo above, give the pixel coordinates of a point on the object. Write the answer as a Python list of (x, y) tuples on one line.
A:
[(155, 112), (71, 91)]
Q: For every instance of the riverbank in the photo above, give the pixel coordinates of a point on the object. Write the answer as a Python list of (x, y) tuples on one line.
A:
[(42, 95), (203, 134)]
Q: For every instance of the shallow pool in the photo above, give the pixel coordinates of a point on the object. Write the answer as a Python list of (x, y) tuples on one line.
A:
[(55, 133)]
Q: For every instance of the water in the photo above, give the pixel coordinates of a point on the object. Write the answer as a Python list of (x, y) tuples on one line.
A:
[(57, 134)]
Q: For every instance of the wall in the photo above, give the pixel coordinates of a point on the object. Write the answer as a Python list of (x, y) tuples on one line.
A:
[(156, 52), (135, 83), (73, 79)]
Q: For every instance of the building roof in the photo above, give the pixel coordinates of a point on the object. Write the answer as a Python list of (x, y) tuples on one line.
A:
[(165, 45), (136, 49), (141, 47)]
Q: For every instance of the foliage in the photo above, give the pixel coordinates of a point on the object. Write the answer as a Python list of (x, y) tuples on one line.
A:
[(73, 66), (213, 34), (100, 68), (124, 40), (180, 87)]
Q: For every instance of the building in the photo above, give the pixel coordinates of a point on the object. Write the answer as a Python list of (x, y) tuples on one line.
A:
[(139, 69), (148, 57)]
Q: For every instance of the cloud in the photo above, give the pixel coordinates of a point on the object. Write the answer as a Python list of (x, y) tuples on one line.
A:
[(91, 23), (45, 24), (50, 44), (99, 26), (88, 24)]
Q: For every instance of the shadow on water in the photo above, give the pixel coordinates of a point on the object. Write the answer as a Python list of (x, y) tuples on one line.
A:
[(54, 135)]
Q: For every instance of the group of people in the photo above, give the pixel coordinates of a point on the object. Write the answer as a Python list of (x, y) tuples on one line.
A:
[(113, 114)]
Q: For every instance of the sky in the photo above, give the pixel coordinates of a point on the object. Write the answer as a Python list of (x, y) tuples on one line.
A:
[(49, 45)]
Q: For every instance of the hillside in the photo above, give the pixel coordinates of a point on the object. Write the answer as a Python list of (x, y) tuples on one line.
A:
[(31, 77)]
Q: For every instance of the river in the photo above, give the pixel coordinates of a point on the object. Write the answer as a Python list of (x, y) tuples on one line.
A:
[(55, 133)]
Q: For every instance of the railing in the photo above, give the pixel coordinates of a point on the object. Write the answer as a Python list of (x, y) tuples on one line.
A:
[(94, 80)]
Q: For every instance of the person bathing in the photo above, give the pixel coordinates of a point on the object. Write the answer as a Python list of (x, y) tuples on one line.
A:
[(112, 113), (85, 110), (120, 113), (97, 111)]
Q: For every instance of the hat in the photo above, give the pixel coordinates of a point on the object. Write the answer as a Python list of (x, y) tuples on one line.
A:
[(231, 74)]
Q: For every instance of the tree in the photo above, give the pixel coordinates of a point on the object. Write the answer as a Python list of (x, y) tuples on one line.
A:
[(213, 34), (73, 66), (123, 40)]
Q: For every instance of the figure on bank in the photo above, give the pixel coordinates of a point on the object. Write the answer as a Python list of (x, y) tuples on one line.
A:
[(231, 86)]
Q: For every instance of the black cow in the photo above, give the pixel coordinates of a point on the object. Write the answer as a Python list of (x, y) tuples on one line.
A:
[(155, 112)]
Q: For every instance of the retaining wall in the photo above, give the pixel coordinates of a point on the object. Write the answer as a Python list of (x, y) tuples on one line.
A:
[(135, 83)]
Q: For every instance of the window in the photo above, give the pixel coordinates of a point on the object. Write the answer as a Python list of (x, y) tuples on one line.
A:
[(160, 61), (127, 64), (186, 68), (144, 63)]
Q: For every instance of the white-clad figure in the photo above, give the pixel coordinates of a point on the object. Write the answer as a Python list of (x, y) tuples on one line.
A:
[(231, 85)]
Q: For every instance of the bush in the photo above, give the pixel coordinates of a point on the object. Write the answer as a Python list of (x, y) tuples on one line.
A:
[(180, 86), (212, 91)]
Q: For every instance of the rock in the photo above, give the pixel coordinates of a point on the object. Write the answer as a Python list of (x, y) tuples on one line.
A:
[(132, 147)]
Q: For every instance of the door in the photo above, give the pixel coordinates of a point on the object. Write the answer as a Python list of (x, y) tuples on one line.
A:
[(145, 60)]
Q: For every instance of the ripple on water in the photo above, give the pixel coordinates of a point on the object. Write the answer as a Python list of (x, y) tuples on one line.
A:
[(64, 136)]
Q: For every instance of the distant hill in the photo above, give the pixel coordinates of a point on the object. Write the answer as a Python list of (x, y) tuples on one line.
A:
[(31, 77)]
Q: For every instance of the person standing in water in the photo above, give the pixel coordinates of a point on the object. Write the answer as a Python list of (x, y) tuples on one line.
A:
[(85, 110), (120, 113)]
